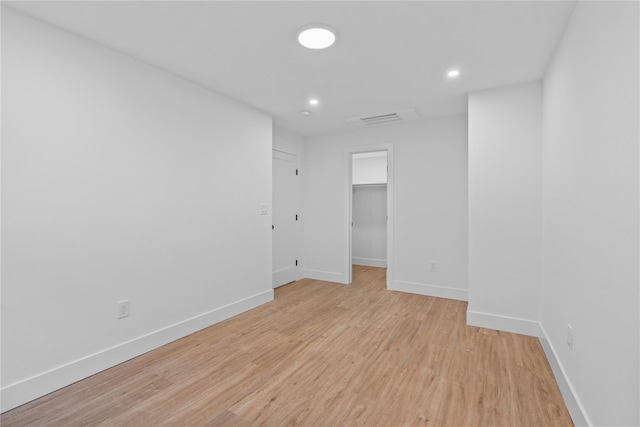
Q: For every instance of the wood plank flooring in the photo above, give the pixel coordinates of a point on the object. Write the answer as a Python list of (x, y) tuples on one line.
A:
[(322, 354)]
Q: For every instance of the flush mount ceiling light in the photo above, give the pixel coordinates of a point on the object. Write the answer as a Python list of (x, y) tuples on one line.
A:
[(316, 36), (453, 73), (305, 113), (313, 101)]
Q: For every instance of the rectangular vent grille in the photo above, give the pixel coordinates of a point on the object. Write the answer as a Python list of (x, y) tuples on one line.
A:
[(378, 119), (382, 118)]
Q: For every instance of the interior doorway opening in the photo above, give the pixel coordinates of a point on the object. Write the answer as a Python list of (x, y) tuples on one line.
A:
[(369, 193), (369, 209)]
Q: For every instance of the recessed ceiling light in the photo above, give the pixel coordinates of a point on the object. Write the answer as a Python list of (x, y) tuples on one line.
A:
[(313, 101), (316, 36), (453, 73)]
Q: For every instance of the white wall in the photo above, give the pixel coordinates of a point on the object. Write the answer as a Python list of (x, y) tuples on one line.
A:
[(369, 168), (505, 173), (120, 181), (288, 142), (430, 204), (369, 235), (590, 210)]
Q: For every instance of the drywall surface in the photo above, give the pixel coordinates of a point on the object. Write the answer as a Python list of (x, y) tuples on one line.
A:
[(505, 211), (119, 182), (430, 203), (369, 168), (590, 209), (288, 142)]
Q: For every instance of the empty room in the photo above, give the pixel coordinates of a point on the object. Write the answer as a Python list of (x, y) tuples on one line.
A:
[(320, 213)]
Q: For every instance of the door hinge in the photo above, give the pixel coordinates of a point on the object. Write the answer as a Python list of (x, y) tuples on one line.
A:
[(296, 217), (296, 171), (296, 262)]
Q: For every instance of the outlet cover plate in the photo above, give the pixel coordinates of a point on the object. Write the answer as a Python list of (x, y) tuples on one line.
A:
[(123, 309)]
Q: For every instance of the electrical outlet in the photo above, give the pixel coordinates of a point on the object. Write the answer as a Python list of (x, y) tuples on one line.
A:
[(123, 309), (433, 266), (570, 337)]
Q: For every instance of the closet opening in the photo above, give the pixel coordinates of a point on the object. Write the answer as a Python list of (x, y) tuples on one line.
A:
[(369, 216)]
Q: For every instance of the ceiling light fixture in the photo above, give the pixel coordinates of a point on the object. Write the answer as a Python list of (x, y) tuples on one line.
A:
[(453, 73), (316, 36), (305, 113), (313, 101)]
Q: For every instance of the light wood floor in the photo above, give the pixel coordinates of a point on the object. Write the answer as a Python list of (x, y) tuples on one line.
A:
[(323, 354)]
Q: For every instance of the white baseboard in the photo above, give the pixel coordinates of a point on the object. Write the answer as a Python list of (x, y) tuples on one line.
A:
[(429, 290), (503, 323), (39, 385), (325, 276), (369, 262), (576, 410)]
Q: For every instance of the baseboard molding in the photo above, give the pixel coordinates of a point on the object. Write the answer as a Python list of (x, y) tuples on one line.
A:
[(39, 385), (503, 323), (369, 262), (325, 276), (576, 410), (429, 290)]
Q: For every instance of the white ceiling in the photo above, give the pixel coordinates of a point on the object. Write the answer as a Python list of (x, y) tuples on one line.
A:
[(389, 56)]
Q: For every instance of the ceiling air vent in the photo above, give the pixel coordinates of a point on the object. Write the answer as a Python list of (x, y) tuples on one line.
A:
[(377, 119), (383, 118)]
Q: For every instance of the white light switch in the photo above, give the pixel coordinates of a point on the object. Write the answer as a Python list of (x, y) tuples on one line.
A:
[(264, 209)]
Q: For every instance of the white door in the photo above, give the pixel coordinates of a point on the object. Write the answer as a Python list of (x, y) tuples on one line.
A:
[(285, 196)]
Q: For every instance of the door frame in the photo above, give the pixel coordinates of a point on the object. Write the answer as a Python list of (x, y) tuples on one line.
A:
[(347, 211)]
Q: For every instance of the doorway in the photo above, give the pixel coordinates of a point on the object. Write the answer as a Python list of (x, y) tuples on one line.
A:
[(372, 227), (369, 209)]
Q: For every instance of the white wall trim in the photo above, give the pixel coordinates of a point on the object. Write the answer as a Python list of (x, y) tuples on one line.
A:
[(429, 290), (370, 262), (503, 323), (576, 409), (326, 276), (39, 385)]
